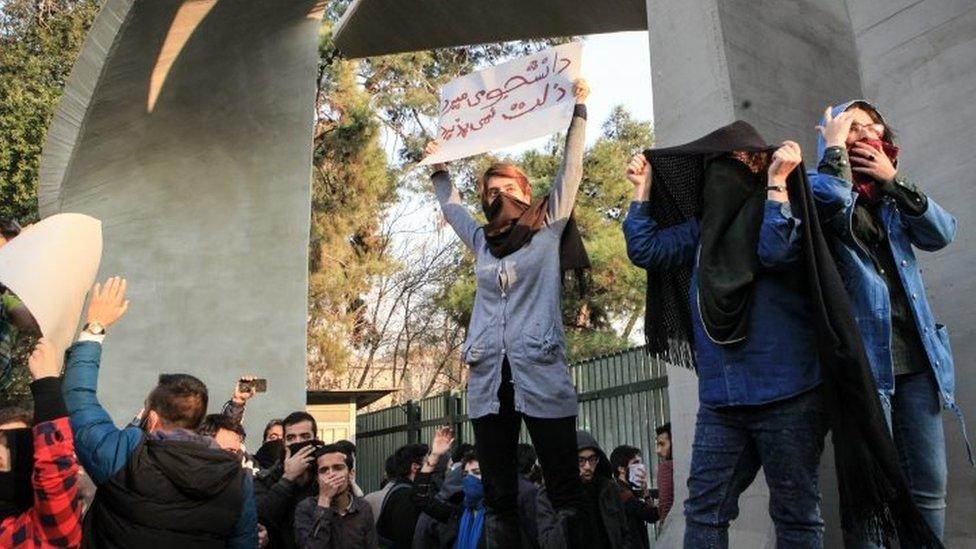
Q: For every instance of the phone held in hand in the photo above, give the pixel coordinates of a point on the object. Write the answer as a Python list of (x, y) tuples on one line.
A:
[(636, 474), (259, 385)]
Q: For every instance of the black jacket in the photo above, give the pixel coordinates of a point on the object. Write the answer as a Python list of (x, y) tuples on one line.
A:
[(171, 493), (609, 501), (639, 513), (276, 499)]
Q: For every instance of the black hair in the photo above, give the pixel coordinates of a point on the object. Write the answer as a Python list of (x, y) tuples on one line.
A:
[(468, 458), (180, 400), (335, 448), (889, 133), (460, 451), (389, 470), (271, 425), (10, 415), (526, 458), (622, 455), (298, 417), (405, 457), (666, 428), (348, 448), (214, 422), (9, 228)]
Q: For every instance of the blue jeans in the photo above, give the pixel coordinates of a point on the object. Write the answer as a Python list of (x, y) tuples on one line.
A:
[(786, 439), (914, 415)]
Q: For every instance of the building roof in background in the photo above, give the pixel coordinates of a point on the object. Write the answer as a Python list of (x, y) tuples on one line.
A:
[(380, 27), (362, 398)]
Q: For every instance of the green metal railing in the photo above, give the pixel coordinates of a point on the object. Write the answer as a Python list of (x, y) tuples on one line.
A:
[(622, 398)]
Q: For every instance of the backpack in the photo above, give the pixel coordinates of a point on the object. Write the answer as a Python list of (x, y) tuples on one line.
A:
[(385, 543)]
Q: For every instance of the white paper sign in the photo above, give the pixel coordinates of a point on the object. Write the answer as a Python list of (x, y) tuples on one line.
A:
[(50, 267), (507, 104)]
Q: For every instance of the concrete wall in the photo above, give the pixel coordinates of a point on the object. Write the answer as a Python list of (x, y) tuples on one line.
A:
[(777, 65), (196, 156), (918, 62)]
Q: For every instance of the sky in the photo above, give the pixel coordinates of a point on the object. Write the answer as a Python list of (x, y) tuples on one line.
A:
[(618, 68)]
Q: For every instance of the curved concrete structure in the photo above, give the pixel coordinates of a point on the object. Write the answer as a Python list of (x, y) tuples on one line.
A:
[(186, 128)]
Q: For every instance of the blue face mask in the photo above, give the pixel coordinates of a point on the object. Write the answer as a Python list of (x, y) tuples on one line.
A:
[(474, 490)]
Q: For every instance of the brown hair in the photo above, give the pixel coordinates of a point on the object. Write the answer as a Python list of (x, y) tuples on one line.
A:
[(504, 169), (757, 162), (180, 400)]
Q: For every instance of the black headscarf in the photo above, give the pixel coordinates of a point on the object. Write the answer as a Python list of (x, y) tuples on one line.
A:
[(512, 224), (874, 493)]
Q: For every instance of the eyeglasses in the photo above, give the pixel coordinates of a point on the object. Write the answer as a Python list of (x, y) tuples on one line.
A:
[(877, 128), (592, 460)]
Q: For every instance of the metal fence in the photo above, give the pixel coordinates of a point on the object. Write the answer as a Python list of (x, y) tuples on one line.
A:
[(622, 398)]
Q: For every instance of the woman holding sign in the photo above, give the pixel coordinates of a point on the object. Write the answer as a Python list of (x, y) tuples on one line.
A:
[(515, 345)]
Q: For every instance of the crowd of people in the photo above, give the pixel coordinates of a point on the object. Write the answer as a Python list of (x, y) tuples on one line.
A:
[(176, 476), (796, 297)]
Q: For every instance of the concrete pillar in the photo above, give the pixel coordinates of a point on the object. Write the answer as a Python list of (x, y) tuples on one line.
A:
[(775, 65), (186, 128), (918, 63)]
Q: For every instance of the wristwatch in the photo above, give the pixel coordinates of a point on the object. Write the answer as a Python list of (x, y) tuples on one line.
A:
[(94, 328), (780, 188)]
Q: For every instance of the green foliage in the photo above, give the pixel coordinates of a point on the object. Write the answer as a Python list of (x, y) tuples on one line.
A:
[(352, 184), (39, 42), (38, 45)]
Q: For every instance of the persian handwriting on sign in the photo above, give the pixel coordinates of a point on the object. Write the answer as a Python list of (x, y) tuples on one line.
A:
[(509, 103)]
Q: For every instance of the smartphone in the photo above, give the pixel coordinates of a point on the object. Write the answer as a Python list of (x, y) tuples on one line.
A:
[(636, 474), (260, 385)]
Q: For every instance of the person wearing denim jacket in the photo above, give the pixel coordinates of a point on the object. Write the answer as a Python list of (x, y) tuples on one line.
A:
[(759, 400), (876, 217)]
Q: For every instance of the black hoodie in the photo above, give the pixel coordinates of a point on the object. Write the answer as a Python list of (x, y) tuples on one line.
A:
[(608, 522), (171, 493)]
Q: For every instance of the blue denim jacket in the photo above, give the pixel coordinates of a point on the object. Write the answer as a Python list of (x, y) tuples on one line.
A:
[(933, 230), (778, 359), (103, 449)]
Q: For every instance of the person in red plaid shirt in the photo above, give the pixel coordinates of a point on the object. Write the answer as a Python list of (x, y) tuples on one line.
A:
[(39, 507)]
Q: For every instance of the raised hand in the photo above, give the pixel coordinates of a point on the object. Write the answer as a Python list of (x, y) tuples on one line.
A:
[(443, 438), (638, 170), (874, 162), (433, 147), (786, 158), (836, 129), (108, 302), (242, 395), (45, 360), (581, 90)]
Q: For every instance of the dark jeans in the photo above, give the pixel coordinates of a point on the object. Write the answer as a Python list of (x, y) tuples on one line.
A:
[(914, 416), (496, 441), (786, 439)]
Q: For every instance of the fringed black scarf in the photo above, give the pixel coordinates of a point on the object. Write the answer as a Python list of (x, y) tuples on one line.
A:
[(874, 494), (512, 224)]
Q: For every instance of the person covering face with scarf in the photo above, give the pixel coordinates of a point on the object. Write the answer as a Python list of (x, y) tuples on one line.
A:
[(39, 507), (875, 218), (515, 346), (746, 316)]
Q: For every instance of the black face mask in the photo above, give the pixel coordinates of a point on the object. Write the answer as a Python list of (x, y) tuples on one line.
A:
[(310, 483), (269, 453), (16, 490)]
